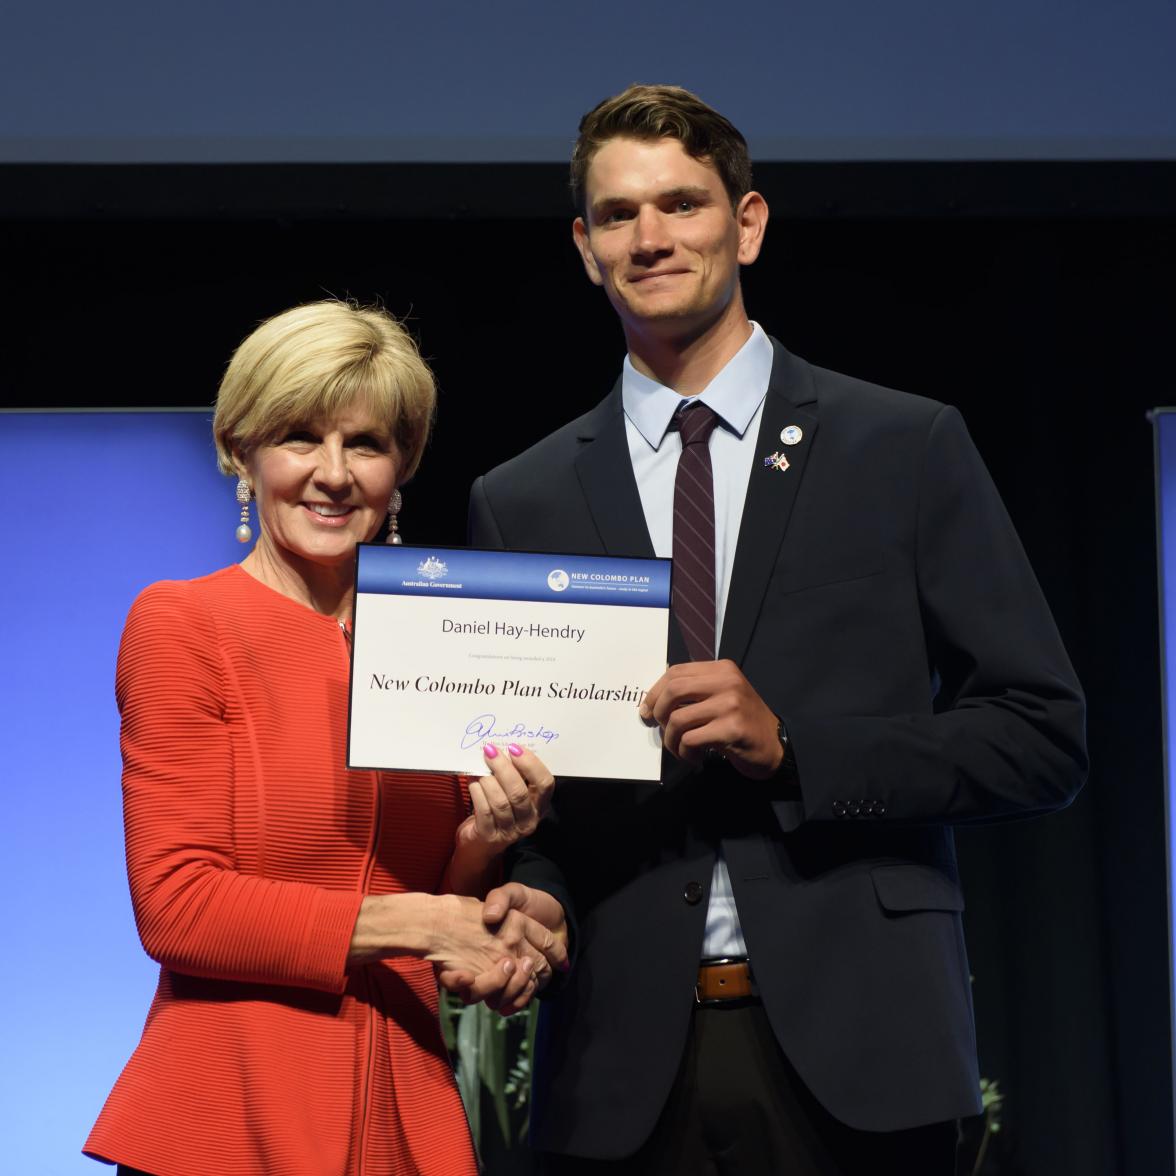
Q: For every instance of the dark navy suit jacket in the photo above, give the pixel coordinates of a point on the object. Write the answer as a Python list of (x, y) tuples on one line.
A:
[(882, 605)]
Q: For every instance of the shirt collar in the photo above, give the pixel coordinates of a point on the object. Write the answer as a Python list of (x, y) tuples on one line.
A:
[(734, 394)]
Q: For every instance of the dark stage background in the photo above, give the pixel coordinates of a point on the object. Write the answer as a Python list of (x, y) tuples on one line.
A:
[(1039, 299)]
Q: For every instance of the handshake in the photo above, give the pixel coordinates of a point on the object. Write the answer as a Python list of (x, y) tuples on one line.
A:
[(502, 950)]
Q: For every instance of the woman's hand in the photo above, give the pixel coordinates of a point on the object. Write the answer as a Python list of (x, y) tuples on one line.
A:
[(463, 942), (509, 803), (540, 918), (451, 931)]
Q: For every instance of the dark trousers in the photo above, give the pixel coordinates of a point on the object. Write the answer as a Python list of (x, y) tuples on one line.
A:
[(737, 1108)]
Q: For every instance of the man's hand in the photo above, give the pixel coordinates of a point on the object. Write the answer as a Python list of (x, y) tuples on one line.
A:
[(705, 706), (545, 944)]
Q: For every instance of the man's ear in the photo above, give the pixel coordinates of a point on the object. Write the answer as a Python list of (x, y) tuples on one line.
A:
[(580, 237), (751, 215)]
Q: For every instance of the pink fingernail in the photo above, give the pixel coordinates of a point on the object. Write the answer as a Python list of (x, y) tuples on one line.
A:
[(490, 751), (514, 749)]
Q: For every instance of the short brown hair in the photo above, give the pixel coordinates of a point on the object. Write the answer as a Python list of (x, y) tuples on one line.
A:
[(664, 112), (314, 360)]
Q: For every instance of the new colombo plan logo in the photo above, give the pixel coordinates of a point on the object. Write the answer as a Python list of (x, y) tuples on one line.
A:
[(557, 580)]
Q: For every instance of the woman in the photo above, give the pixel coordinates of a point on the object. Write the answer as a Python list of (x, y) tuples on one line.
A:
[(298, 909)]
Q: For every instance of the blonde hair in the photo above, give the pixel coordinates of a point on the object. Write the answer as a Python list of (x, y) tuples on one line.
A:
[(312, 361)]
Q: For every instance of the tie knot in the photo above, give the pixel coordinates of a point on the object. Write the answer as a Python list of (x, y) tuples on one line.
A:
[(695, 422)]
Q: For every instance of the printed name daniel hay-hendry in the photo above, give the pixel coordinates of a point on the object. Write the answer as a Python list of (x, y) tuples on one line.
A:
[(503, 629)]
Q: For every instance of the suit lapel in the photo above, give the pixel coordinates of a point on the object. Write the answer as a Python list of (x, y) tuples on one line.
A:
[(770, 496), (606, 476)]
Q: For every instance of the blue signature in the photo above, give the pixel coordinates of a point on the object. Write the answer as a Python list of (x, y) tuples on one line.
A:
[(481, 730)]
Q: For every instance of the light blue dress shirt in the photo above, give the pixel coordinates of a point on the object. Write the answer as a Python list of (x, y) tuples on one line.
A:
[(736, 395)]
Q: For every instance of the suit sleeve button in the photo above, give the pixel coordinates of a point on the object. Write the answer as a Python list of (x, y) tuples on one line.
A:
[(839, 808), (854, 808), (879, 808), (693, 893)]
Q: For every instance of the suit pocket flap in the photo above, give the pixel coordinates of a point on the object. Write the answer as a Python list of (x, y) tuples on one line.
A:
[(813, 578), (916, 888)]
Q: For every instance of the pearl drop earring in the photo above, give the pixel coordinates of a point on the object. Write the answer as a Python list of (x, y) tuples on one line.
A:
[(394, 505), (244, 494)]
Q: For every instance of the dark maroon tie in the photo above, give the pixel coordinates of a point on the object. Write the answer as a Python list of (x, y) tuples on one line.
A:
[(694, 532)]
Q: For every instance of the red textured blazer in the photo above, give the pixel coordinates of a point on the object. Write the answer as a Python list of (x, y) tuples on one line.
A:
[(249, 849)]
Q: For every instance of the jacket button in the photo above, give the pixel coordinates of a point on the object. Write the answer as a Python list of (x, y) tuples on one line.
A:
[(854, 808), (693, 893), (879, 808), (839, 808)]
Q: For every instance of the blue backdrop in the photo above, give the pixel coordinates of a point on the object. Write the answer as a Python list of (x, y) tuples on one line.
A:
[(135, 80), (109, 502), (1165, 436)]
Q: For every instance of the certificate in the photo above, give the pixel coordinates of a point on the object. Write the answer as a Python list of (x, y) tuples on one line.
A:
[(454, 648)]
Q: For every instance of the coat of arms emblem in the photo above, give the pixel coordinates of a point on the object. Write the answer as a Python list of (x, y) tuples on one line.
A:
[(432, 568)]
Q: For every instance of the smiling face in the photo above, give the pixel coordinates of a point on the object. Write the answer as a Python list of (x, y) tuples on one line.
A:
[(662, 239), (323, 487)]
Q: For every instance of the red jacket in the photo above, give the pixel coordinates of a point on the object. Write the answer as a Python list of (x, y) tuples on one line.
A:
[(249, 849)]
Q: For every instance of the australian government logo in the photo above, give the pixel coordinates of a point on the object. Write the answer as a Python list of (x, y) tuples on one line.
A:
[(557, 579), (431, 571), (432, 568)]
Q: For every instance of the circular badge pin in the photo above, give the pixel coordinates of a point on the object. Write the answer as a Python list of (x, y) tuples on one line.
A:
[(792, 435)]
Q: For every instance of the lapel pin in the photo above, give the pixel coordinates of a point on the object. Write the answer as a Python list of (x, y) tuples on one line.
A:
[(776, 461), (792, 435)]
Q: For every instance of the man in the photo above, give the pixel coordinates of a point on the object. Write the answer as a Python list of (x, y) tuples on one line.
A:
[(770, 973)]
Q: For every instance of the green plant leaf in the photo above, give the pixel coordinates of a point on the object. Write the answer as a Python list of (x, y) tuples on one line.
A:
[(468, 1070), (492, 1064)]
